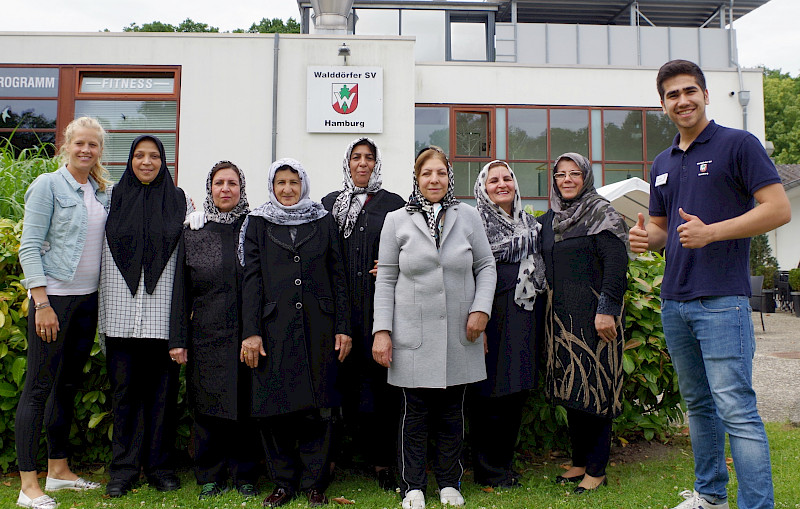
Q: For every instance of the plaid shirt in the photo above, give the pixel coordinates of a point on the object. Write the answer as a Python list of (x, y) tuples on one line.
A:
[(143, 315)]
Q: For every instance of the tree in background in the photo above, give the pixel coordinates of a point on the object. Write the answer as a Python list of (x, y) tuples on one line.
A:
[(782, 115), (265, 26)]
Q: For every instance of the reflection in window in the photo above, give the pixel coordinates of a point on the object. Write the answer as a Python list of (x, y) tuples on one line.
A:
[(623, 135), (21, 140), (432, 127), (660, 133), (569, 132), (468, 41), (429, 29), (527, 134), (130, 114), (532, 178), (28, 114), (472, 134), (465, 173), (617, 172), (377, 22)]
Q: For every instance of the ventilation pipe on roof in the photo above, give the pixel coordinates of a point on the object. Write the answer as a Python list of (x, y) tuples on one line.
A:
[(330, 16), (744, 95)]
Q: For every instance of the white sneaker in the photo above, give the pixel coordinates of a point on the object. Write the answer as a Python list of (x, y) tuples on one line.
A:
[(451, 496), (43, 502), (78, 484), (414, 499), (695, 501)]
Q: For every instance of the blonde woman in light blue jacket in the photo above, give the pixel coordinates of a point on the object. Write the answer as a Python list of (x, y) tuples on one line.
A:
[(65, 216)]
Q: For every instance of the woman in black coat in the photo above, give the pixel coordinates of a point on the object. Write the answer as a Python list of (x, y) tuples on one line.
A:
[(514, 329), (297, 323), (584, 244), (370, 404), (206, 330)]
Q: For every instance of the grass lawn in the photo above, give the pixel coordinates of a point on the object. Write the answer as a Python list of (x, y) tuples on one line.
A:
[(641, 476)]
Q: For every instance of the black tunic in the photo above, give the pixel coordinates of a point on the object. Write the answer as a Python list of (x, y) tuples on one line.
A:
[(512, 334), (295, 298), (582, 371), (206, 318), (360, 251)]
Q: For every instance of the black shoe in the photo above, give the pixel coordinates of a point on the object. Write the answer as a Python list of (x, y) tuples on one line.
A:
[(510, 481), (211, 489), (316, 498), (166, 482), (278, 497), (565, 480), (247, 490), (387, 479), (117, 488), (580, 489)]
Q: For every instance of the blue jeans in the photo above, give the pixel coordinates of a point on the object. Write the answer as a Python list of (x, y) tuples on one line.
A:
[(711, 343)]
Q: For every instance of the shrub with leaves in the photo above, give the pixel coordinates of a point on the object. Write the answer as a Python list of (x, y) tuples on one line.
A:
[(18, 168)]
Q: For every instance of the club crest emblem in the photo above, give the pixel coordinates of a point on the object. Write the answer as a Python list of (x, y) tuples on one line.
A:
[(345, 97), (702, 168)]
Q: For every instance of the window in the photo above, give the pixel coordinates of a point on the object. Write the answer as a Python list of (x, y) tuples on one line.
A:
[(29, 107), (128, 104), (620, 142)]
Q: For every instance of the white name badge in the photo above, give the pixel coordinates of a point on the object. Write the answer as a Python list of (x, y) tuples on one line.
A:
[(661, 179)]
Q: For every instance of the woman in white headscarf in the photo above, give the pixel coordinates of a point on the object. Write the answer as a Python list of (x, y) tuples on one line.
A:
[(369, 405), (514, 330), (296, 321)]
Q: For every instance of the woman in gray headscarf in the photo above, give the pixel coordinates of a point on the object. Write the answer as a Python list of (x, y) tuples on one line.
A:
[(584, 244), (369, 404), (513, 331), (296, 321)]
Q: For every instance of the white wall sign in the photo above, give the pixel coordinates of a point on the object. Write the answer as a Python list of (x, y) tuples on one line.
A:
[(344, 100)]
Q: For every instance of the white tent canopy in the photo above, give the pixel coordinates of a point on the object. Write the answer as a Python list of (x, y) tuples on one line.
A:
[(628, 197)]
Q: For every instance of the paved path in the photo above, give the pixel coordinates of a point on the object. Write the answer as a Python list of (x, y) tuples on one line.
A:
[(776, 367)]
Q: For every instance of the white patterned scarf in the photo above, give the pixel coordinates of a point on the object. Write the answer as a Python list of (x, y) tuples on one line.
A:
[(513, 238), (213, 213), (302, 212), (348, 205), (418, 203)]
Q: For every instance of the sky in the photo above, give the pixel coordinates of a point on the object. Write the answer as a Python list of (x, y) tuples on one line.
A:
[(767, 36)]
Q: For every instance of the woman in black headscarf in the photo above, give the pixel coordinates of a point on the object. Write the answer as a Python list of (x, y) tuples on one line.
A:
[(514, 330), (138, 269), (584, 243), (296, 315), (369, 403), (206, 332)]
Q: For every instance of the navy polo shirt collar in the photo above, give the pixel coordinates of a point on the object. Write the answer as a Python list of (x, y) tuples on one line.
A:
[(703, 137)]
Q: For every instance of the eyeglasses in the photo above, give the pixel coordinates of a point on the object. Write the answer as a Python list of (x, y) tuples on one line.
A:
[(574, 175)]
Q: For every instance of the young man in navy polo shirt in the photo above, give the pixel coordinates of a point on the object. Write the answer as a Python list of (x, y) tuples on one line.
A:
[(702, 209)]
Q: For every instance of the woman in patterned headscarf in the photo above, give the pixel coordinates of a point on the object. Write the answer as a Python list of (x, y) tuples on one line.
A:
[(296, 321), (514, 330), (584, 244), (433, 296), (206, 331), (369, 403)]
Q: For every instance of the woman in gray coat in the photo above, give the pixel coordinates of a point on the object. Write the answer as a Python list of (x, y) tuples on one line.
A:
[(433, 297)]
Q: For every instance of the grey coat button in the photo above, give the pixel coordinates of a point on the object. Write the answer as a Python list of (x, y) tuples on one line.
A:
[(297, 282), (296, 258), (299, 305)]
